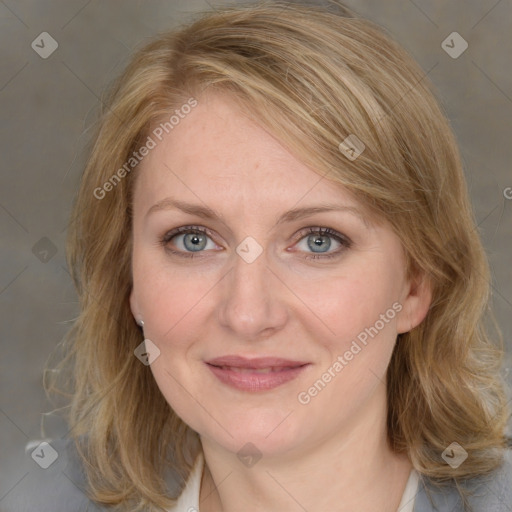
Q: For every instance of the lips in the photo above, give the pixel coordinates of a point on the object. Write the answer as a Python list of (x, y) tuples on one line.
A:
[(255, 370), (256, 363), (257, 374)]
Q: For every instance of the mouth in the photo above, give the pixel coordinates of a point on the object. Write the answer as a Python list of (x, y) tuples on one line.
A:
[(271, 369), (254, 375)]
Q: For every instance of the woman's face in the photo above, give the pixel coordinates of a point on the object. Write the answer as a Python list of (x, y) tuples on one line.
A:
[(275, 319)]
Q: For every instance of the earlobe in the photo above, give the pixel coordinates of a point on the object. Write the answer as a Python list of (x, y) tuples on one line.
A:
[(416, 304)]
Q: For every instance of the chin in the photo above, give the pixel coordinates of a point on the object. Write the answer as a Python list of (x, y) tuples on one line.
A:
[(267, 432)]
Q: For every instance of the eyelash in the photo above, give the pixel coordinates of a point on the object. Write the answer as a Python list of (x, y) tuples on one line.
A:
[(345, 242)]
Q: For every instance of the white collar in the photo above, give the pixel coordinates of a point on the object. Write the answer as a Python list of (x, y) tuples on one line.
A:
[(188, 500), (410, 491)]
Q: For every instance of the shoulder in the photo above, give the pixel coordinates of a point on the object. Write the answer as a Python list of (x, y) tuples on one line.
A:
[(490, 493), (55, 481), (58, 486)]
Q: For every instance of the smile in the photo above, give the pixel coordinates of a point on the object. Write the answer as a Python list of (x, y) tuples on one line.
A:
[(255, 375)]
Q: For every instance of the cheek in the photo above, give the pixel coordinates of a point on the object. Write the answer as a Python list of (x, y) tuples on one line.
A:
[(346, 304), (358, 314), (173, 303), (169, 298)]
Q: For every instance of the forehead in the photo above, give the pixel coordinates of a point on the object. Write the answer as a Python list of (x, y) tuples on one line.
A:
[(217, 154)]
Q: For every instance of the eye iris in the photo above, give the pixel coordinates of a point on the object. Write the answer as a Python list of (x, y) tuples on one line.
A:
[(198, 241), (317, 241)]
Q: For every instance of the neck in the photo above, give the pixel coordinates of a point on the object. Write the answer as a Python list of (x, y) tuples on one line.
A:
[(355, 469)]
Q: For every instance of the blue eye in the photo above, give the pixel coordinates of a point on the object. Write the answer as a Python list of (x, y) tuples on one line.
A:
[(319, 241), (194, 239)]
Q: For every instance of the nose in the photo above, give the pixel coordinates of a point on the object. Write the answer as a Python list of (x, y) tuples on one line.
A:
[(252, 304)]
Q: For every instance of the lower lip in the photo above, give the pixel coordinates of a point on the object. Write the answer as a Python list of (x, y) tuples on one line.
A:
[(247, 381)]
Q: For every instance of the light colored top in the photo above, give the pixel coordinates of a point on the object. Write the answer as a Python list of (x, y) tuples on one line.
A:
[(189, 498), (410, 491)]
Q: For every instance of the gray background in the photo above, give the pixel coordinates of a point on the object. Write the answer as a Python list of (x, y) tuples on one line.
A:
[(49, 105)]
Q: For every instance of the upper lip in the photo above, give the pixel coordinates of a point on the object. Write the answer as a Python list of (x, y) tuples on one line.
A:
[(256, 363)]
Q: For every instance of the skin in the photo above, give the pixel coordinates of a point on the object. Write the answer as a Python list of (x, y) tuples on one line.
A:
[(332, 453)]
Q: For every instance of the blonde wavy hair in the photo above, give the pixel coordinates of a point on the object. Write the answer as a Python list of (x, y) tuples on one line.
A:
[(312, 76)]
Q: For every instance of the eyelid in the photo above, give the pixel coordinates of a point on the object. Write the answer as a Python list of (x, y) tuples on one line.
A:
[(186, 230), (323, 231)]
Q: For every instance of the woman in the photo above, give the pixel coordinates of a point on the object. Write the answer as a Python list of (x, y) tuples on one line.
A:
[(275, 203)]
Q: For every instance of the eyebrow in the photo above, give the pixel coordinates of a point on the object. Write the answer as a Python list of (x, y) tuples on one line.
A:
[(289, 216)]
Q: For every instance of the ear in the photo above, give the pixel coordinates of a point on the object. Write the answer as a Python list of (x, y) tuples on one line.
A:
[(415, 303), (134, 306)]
